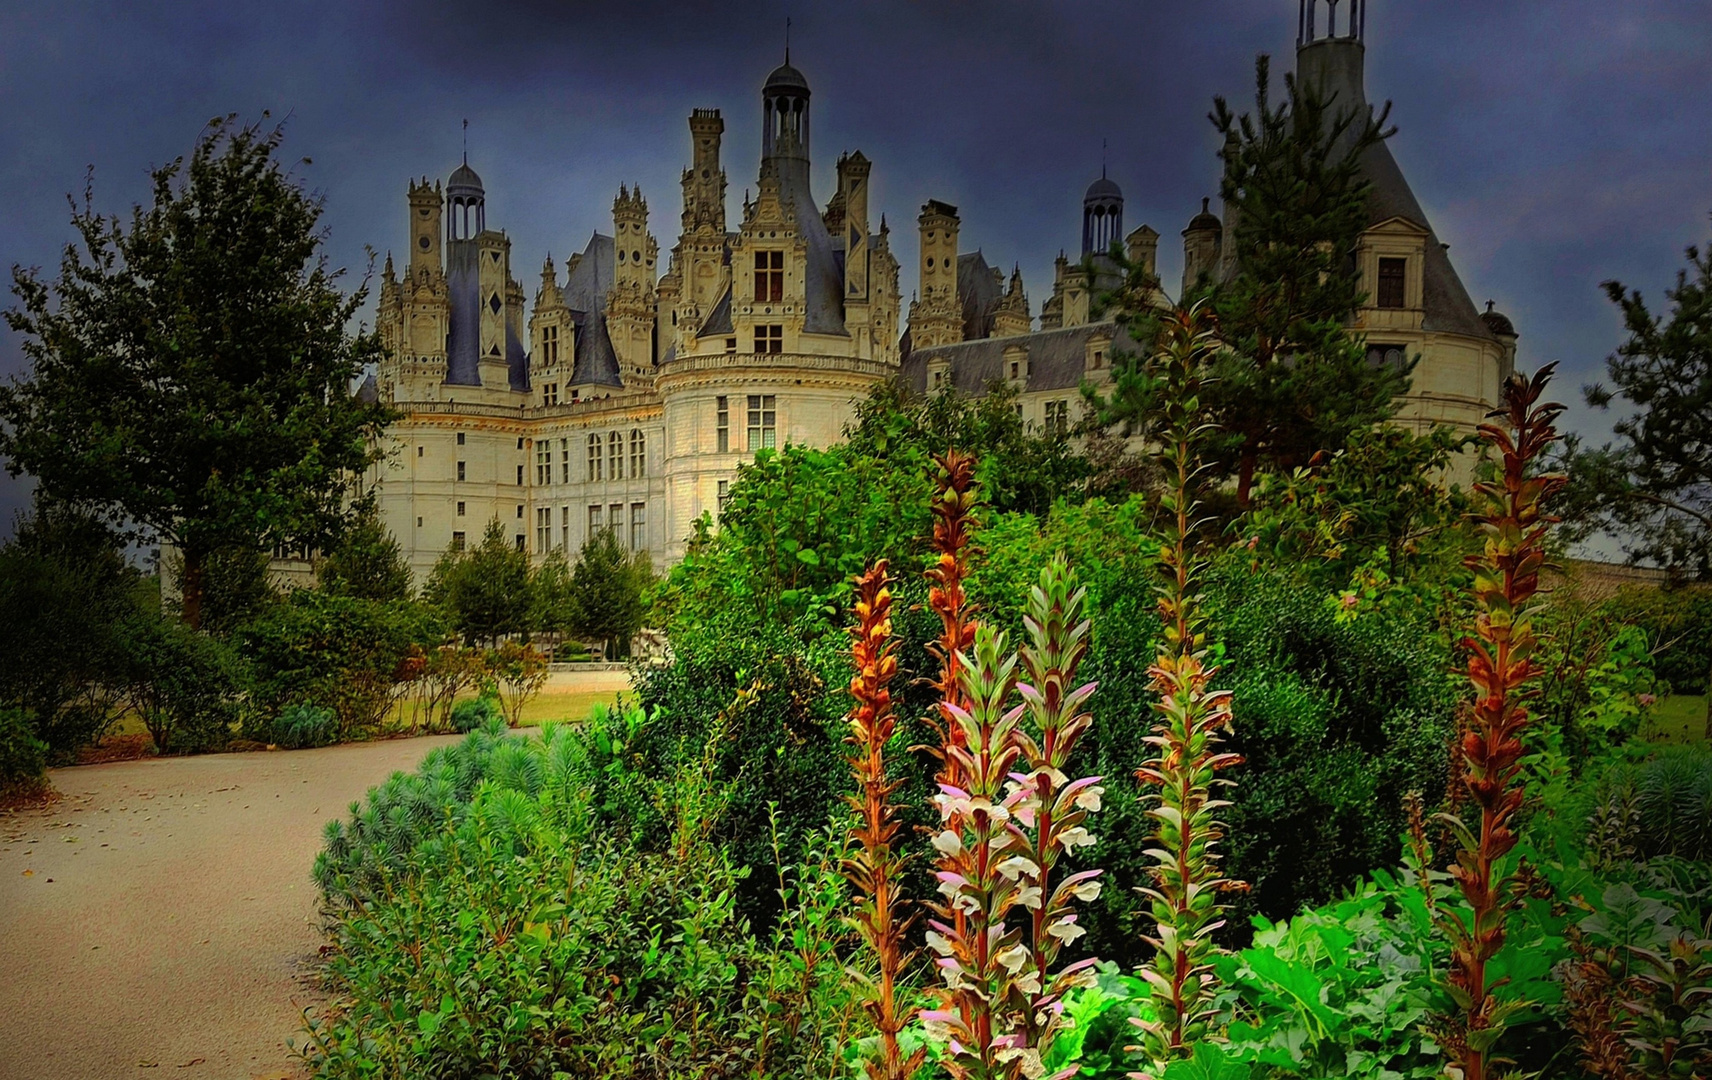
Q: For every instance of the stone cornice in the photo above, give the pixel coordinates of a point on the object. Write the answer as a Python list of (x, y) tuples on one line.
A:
[(771, 368)]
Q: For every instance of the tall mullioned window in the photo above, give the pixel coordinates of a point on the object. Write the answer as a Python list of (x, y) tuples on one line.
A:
[(565, 458), (550, 393), (763, 422), (769, 276), (769, 339), (638, 454), (457, 541), (638, 526), (550, 346), (615, 455), (1390, 293), (460, 470), (565, 535), (1058, 418), (594, 458), (596, 521), (722, 495), (543, 463), (722, 424), (543, 529)]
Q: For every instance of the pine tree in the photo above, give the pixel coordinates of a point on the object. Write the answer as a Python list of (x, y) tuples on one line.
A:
[(191, 369), (367, 562)]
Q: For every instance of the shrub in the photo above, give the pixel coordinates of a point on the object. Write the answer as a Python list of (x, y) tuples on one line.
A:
[(1673, 792), (185, 685), (478, 712), (304, 726), (23, 757)]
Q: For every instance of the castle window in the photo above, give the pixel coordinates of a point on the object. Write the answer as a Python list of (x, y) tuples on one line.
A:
[(763, 422), (615, 520), (418, 451), (550, 393), (520, 511), (1058, 418), (520, 542), (543, 463), (460, 509), (460, 470), (722, 424), (595, 524), (594, 458), (565, 458), (615, 456), (457, 541), (460, 438), (730, 344), (549, 345), (565, 534), (520, 475), (1390, 293), (769, 276), (638, 453), (722, 495), (543, 529), (638, 526), (769, 339)]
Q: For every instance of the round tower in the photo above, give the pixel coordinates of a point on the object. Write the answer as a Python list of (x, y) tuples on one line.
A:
[(1102, 216), (467, 203), (784, 113)]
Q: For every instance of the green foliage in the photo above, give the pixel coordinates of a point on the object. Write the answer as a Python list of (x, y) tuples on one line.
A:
[(487, 923), (338, 652), (366, 562), (23, 757), (477, 713), (237, 586), (191, 370), (1678, 625), (66, 593), (1674, 796), (184, 684), (1339, 720), (1018, 470), (606, 592), (485, 592), (301, 727)]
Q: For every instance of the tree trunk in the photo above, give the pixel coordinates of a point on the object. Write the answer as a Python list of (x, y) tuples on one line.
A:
[(1708, 733), (190, 587), (1245, 477)]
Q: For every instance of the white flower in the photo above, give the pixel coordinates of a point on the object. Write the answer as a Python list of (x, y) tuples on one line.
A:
[(1012, 959), (1016, 866), (1075, 837), (948, 843), (1065, 930), (939, 943), (1087, 890), (1089, 798), (1029, 897)]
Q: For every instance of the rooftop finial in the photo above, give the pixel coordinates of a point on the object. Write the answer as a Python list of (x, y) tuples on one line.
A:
[(1102, 159), (466, 140), (787, 39)]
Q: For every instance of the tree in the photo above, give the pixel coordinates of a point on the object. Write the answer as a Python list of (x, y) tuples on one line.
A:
[(183, 684), (191, 369), (607, 589), (65, 589), (366, 563), (1291, 380), (237, 586), (486, 591), (1653, 486)]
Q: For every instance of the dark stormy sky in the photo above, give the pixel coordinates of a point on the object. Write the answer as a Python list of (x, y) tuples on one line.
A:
[(1554, 144)]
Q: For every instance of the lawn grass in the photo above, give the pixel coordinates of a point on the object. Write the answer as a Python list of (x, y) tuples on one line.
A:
[(1679, 718)]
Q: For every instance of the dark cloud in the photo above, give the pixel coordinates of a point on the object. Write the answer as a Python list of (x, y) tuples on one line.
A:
[(1553, 145)]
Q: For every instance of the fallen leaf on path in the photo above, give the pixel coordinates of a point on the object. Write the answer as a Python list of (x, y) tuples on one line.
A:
[(192, 1061)]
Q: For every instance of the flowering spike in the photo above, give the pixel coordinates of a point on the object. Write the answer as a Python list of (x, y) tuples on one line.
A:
[(877, 867), (1513, 521), (1185, 875)]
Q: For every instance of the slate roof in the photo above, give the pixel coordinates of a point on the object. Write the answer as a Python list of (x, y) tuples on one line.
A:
[(718, 320), (1057, 359), (980, 290), (823, 281), (585, 293)]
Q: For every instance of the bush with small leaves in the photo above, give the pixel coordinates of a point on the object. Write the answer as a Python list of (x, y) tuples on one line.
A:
[(303, 726)]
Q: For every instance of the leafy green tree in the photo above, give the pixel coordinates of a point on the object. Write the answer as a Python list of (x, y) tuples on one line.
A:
[(65, 589), (485, 591), (554, 611), (191, 369), (1292, 380), (237, 586), (608, 591), (367, 562), (184, 684)]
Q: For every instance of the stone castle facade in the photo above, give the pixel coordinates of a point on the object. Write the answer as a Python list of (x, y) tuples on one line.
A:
[(628, 397)]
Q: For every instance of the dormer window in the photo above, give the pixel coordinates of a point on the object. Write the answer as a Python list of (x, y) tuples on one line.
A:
[(550, 393), (1390, 292), (938, 373), (1016, 366), (549, 346), (769, 339), (769, 277)]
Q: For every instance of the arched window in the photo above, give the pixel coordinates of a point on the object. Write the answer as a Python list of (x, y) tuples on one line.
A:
[(638, 454), (615, 456), (594, 458)]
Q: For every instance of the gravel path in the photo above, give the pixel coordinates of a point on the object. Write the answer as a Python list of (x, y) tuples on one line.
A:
[(159, 921)]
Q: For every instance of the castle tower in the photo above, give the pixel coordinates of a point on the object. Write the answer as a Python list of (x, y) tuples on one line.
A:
[(699, 258), (936, 318), (552, 336), (630, 309), (1202, 241), (1102, 216), (853, 171), (1141, 247), (1012, 317), (466, 218), (425, 207)]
